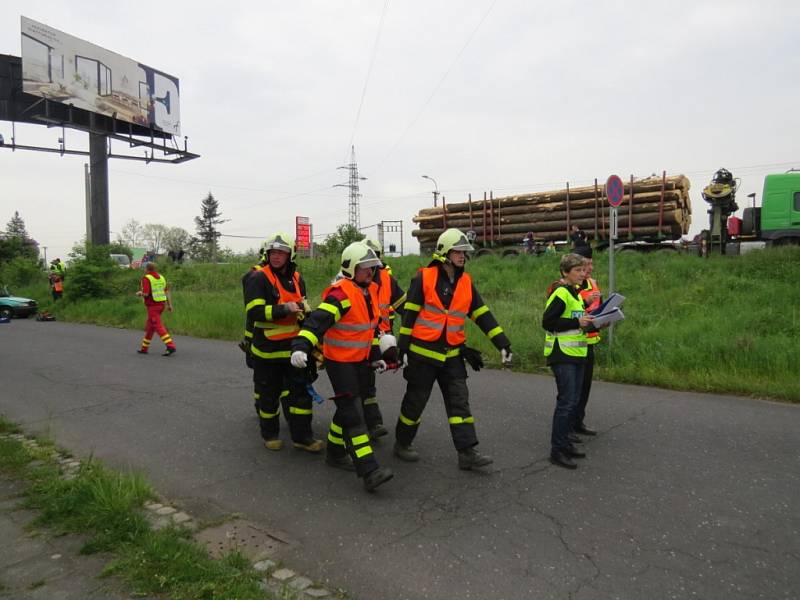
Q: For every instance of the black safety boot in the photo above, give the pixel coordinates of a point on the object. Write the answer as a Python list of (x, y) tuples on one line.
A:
[(377, 431), (340, 462), (471, 458), (573, 452), (562, 460), (573, 438), (406, 453), (377, 477), (169, 352), (584, 430)]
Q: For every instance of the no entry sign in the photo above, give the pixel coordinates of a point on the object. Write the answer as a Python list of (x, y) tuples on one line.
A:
[(614, 190)]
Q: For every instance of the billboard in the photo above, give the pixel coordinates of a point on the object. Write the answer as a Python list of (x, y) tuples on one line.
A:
[(63, 68)]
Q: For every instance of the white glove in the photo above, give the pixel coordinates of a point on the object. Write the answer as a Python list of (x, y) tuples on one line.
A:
[(506, 356), (299, 359), (380, 366)]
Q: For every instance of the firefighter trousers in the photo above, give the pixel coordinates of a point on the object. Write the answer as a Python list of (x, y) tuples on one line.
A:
[(452, 379), (369, 403), (348, 431), (155, 325), (270, 379)]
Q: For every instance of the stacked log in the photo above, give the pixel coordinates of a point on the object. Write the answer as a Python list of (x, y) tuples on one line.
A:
[(658, 207)]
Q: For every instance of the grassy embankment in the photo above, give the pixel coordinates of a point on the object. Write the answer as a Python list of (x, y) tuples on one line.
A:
[(723, 324), (106, 507)]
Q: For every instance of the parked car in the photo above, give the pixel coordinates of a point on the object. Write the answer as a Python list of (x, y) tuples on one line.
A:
[(16, 306), (122, 260)]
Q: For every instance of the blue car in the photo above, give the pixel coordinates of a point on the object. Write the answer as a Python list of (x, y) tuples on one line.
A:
[(15, 306)]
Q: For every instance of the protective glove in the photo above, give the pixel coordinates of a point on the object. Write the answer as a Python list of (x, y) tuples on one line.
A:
[(379, 366), (506, 356), (299, 359)]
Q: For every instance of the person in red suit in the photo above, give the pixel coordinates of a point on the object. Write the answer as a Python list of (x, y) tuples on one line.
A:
[(155, 292)]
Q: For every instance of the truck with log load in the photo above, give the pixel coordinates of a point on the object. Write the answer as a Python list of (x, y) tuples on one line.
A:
[(655, 212)]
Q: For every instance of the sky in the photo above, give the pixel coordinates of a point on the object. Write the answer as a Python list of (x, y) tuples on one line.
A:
[(511, 96)]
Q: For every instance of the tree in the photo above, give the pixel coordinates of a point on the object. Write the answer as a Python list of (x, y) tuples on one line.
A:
[(207, 234), (176, 239), (345, 235), (131, 234), (153, 235), (16, 227)]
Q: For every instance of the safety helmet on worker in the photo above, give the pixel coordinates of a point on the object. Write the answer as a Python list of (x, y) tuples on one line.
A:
[(375, 245), (358, 254), (451, 239), (279, 241)]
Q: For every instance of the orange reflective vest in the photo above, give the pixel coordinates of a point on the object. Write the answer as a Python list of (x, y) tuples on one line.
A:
[(350, 338), (592, 337), (287, 327), (57, 286), (434, 317), (385, 300)]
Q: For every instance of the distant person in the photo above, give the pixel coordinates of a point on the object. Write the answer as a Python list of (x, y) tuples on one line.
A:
[(155, 292), (578, 237), (592, 298), (56, 287), (551, 247), (528, 243), (57, 268)]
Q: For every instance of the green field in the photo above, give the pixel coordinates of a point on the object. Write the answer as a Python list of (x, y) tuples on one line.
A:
[(723, 324)]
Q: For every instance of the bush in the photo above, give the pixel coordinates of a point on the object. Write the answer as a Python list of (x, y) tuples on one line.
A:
[(20, 272)]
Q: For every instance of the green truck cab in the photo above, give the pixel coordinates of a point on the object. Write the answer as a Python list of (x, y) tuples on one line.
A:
[(780, 208)]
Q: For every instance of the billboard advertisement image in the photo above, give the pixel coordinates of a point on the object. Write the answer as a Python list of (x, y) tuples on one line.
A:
[(63, 68)]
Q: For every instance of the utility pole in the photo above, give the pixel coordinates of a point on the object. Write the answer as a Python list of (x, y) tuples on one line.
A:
[(353, 205)]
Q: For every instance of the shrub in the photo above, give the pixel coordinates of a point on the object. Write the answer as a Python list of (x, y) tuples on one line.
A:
[(20, 272)]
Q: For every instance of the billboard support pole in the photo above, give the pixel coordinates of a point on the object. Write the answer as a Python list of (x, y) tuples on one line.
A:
[(98, 174)]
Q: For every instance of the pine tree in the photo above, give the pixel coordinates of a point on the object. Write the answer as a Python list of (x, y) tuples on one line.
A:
[(16, 227), (210, 217)]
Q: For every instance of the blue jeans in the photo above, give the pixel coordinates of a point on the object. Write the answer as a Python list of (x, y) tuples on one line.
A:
[(569, 381)]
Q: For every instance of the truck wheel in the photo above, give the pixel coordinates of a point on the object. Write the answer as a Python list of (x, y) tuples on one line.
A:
[(482, 252), (510, 253)]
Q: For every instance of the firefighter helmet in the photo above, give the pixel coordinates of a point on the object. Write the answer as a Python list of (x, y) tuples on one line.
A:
[(375, 245), (452, 239), (358, 254), (279, 241)]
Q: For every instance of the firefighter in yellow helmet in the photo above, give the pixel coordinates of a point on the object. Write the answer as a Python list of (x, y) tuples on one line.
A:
[(391, 298), (440, 298), (346, 322), (275, 302)]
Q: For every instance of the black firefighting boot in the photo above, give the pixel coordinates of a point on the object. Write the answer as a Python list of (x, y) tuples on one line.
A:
[(471, 458), (406, 453), (377, 477)]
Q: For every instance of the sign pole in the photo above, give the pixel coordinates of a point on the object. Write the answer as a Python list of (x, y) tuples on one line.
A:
[(615, 191)]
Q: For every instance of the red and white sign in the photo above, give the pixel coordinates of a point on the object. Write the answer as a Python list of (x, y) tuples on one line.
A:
[(302, 236), (615, 190)]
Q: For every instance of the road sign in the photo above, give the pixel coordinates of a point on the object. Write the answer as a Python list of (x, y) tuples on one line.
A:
[(614, 190)]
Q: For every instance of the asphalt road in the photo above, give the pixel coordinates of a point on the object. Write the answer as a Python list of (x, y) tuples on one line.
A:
[(682, 495)]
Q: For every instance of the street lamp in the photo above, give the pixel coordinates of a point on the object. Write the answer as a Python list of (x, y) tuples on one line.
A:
[(436, 192)]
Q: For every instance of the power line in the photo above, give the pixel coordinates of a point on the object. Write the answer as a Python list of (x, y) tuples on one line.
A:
[(436, 88), (369, 72)]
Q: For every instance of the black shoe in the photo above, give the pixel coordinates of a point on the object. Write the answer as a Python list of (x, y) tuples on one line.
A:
[(377, 477), (406, 453), (340, 462), (471, 458), (562, 460), (584, 430), (377, 431), (169, 351), (574, 439), (573, 452), (140, 351)]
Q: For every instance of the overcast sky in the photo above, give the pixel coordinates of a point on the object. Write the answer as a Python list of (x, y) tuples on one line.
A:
[(504, 95)]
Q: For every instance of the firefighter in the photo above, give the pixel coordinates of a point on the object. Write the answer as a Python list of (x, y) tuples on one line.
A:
[(346, 322), (592, 298), (432, 337), (274, 304), (244, 345), (390, 301), (155, 292), (565, 348)]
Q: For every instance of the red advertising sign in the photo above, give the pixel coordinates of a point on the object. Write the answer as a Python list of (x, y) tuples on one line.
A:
[(302, 237)]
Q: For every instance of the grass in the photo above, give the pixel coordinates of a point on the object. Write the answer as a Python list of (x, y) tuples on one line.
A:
[(107, 506), (723, 324)]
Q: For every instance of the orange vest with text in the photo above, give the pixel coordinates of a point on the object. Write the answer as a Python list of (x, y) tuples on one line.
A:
[(287, 327), (433, 317), (350, 338)]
